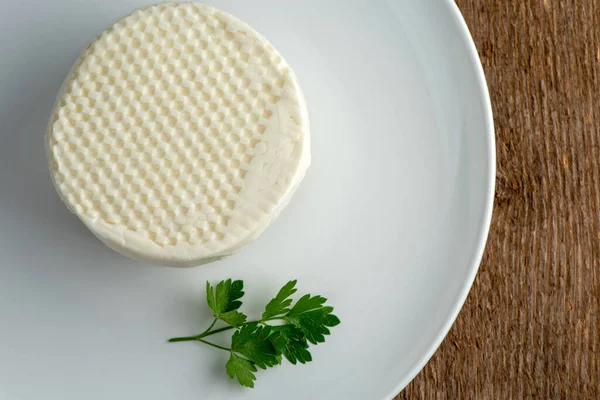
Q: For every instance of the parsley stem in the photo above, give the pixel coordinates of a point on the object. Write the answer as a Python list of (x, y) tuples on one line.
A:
[(197, 338), (226, 328), (208, 332), (214, 345), (183, 339), (210, 327)]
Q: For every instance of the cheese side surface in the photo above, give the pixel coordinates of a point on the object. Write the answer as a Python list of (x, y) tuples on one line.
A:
[(179, 135)]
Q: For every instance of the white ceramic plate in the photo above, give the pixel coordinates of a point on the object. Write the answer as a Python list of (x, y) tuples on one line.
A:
[(389, 224)]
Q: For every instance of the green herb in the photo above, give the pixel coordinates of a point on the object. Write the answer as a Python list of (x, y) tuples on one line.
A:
[(257, 343)]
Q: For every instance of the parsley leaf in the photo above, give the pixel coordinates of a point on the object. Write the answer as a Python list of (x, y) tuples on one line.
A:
[(281, 303), (291, 342), (252, 341), (233, 318), (256, 344), (225, 297), (242, 369), (311, 317)]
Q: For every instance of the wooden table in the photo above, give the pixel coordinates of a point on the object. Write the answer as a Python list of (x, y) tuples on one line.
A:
[(530, 327)]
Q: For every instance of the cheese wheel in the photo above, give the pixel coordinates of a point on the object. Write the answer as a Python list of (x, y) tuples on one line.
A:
[(179, 135)]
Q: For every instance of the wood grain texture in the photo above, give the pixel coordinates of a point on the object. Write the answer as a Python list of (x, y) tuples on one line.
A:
[(530, 327)]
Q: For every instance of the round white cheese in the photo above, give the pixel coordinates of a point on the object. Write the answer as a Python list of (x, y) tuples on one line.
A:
[(179, 135)]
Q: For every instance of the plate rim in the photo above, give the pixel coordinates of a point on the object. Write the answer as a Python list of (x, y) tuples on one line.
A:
[(484, 226)]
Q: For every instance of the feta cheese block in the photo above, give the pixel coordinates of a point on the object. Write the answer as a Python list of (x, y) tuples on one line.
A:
[(179, 135)]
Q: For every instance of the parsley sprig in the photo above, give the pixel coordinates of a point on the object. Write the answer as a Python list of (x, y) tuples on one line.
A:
[(258, 343)]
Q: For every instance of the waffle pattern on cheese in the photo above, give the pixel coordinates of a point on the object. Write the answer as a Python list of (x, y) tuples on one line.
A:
[(179, 135)]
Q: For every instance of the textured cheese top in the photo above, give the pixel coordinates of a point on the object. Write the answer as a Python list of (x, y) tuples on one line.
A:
[(179, 135)]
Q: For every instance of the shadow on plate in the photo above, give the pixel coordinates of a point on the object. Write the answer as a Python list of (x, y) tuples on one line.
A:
[(31, 212)]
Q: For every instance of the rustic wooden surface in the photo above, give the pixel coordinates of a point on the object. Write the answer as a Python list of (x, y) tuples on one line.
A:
[(530, 327)]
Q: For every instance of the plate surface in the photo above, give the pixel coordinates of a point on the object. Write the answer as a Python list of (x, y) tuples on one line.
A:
[(389, 223)]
